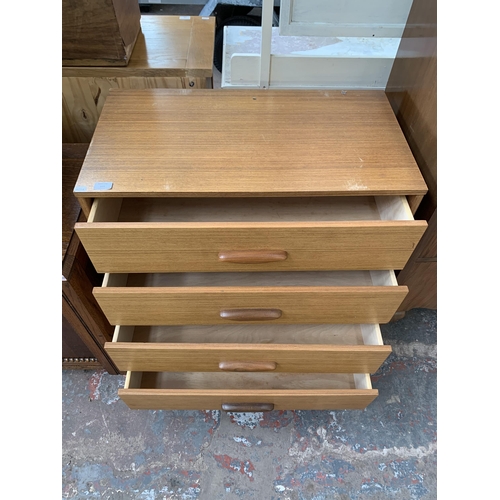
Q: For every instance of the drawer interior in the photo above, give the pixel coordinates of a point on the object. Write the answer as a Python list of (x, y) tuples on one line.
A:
[(320, 209), (253, 279), (355, 334), (246, 381)]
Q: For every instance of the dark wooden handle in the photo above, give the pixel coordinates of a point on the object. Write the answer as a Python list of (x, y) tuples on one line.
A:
[(247, 366), (250, 314), (253, 256), (247, 406)]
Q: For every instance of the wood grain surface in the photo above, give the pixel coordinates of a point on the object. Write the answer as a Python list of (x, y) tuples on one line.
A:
[(199, 305), (170, 52), (352, 334), (188, 247), (167, 46), (289, 348), (84, 327), (412, 92), (72, 160), (248, 143), (293, 358), (325, 233), (212, 390), (99, 32), (179, 399)]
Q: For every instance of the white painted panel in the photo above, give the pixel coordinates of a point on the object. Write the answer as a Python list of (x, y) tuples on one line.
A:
[(350, 18), (307, 62), (329, 72), (244, 70), (311, 72)]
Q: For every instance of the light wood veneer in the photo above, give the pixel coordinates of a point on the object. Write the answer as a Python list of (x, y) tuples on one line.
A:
[(198, 391), (248, 143), (301, 348), (281, 234), (199, 298), (249, 241)]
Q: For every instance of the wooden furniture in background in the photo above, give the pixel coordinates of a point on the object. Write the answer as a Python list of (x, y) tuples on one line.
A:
[(170, 52), (205, 173), (99, 32), (84, 327), (412, 92)]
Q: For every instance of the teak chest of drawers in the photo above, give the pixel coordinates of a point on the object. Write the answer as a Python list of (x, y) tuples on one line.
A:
[(249, 241)]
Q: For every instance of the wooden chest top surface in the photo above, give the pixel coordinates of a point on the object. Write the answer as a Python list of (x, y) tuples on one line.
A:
[(162, 142)]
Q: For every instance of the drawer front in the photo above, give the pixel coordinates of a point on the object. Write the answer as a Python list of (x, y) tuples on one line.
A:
[(292, 358), (247, 391), (172, 399), (250, 234), (220, 247), (226, 305)]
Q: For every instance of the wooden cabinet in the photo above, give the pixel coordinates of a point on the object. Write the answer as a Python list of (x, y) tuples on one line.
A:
[(170, 52), (412, 92), (249, 247), (99, 32), (85, 329)]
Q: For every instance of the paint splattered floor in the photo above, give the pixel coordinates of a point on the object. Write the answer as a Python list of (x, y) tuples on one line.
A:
[(386, 451)]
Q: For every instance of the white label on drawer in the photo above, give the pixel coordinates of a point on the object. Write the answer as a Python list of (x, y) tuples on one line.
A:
[(205, 18), (185, 17), (102, 186), (79, 189)]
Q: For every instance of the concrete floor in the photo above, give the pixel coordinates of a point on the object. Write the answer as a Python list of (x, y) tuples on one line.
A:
[(387, 451)]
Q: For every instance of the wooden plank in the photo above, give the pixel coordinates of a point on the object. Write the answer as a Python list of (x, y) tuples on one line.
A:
[(133, 380), (170, 52), (292, 358), (149, 399), (170, 244), (304, 209), (412, 92), (104, 209), (84, 97), (177, 305), (371, 334), (167, 47), (72, 160), (262, 279), (99, 33), (256, 334), (212, 390), (200, 58), (84, 327), (187, 247), (290, 143)]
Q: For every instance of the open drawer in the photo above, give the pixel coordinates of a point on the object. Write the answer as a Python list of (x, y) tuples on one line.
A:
[(152, 235), (247, 391), (249, 348), (229, 298)]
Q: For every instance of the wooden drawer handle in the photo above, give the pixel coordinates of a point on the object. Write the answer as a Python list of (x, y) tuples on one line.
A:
[(247, 366), (253, 256), (247, 406), (250, 314)]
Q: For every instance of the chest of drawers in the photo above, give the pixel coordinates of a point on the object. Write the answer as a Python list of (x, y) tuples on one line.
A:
[(249, 241)]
